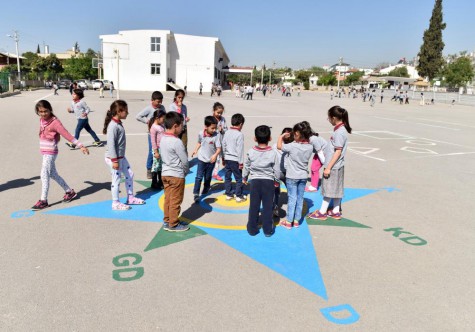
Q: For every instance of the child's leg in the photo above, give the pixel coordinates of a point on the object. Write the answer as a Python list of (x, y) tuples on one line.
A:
[(276, 196), (292, 199), (166, 205), (315, 170), (325, 204), (299, 203), (115, 183), (150, 153), (216, 166), (46, 168), (176, 191), (336, 205), (79, 127), (124, 167), (227, 179), (238, 177), (208, 174), (199, 177), (254, 206), (55, 176), (267, 199), (90, 131)]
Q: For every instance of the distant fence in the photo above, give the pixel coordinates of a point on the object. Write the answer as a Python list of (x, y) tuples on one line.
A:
[(4, 82)]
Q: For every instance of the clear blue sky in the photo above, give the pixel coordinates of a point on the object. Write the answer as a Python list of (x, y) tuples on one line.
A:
[(298, 33)]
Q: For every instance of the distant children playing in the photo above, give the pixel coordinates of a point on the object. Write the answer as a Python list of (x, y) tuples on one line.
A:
[(333, 174), (81, 111), (218, 110), (208, 149), (157, 130), (115, 155), (299, 154), (262, 168), (174, 168), (233, 150), (50, 130), (144, 116)]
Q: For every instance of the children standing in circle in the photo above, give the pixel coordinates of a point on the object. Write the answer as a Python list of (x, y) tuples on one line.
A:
[(209, 146), (218, 110), (299, 154), (115, 155), (81, 111), (157, 129), (50, 130), (180, 108), (333, 174)]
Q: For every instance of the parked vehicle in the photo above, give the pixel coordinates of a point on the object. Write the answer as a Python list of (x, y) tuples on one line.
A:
[(64, 84), (84, 84), (96, 84)]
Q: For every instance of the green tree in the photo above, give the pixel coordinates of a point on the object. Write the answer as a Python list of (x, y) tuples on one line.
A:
[(399, 72), (328, 79), (459, 72), (38, 49), (354, 77), (430, 54), (52, 66), (80, 66)]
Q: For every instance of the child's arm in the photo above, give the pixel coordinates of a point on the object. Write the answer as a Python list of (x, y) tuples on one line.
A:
[(197, 147), (85, 108), (336, 155), (63, 132), (111, 138), (240, 150), (142, 116), (245, 172), (321, 156), (215, 156), (280, 140)]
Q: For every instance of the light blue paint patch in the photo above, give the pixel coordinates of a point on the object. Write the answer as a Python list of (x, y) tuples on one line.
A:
[(22, 214), (314, 199), (147, 212), (288, 252), (352, 318)]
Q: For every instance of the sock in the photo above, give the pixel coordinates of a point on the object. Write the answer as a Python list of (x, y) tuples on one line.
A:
[(325, 204), (336, 205)]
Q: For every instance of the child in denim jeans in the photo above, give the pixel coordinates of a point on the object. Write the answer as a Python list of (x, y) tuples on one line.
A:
[(209, 146)]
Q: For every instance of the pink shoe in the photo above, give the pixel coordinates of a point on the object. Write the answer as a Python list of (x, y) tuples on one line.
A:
[(336, 216), (135, 201), (311, 189), (120, 206), (317, 215), (286, 224), (217, 177)]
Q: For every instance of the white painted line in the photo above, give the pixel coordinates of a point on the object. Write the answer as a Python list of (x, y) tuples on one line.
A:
[(451, 123), (417, 150), (364, 155), (419, 123), (435, 155), (37, 100), (455, 144), (396, 136)]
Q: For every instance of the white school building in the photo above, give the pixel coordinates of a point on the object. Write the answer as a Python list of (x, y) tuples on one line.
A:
[(148, 60)]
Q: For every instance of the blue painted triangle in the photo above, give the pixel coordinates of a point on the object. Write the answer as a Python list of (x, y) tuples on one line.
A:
[(288, 252), (314, 199)]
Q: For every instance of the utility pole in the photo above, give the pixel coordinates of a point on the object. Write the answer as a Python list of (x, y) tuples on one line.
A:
[(262, 74), (16, 38), (339, 67), (116, 51)]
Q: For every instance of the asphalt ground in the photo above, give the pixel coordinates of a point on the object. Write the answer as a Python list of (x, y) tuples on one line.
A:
[(401, 260)]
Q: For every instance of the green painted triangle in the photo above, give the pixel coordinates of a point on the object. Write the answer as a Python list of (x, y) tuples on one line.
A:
[(164, 238), (343, 222), (144, 183)]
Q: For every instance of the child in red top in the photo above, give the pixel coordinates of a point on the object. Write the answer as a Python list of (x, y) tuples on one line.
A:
[(50, 130)]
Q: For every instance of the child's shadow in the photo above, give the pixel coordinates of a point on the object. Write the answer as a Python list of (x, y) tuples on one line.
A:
[(18, 183), (93, 188), (196, 210)]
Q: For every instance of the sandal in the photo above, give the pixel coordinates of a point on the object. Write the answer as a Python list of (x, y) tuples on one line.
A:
[(296, 223), (120, 206), (286, 224), (135, 201)]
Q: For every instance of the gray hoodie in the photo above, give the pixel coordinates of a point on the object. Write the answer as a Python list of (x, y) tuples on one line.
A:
[(261, 163)]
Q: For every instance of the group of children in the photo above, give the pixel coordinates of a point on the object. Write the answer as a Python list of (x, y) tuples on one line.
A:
[(263, 167)]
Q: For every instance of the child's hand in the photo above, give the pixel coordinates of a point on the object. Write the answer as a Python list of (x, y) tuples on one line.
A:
[(224, 162), (69, 110), (285, 135), (187, 119), (213, 159), (193, 154), (326, 173), (156, 155), (115, 165), (84, 150), (244, 181), (241, 166)]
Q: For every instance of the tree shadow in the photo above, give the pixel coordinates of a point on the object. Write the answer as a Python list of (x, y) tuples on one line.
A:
[(18, 183)]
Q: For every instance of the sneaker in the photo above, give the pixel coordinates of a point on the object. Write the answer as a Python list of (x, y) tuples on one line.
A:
[(311, 189), (271, 233), (217, 177), (149, 173), (296, 224), (276, 211), (317, 216), (285, 223), (178, 228), (68, 197), (98, 143), (166, 226), (336, 216), (40, 205), (196, 198), (241, 199), (228, 198), (71, 145)]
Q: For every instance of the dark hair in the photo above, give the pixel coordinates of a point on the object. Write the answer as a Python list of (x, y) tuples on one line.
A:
[(341, 114), (115, 108), (289, 139), (157, 95), (262, 134), (313, 132), (44, 104), (304, 129), (173, 118), (179, 92), (79, 93), (156, 115), (237, 119), (210, 120), (217, 105)]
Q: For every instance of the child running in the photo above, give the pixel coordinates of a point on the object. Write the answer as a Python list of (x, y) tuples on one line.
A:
[(218, 110), (180, 108), (174, 169), (157, 129), (319, 146), (333, 174), (81, 111), (115, 155), (281, 157), (208, 150), (233, 151), (262, 167), (50, 130), (299, 154), (144, 116)]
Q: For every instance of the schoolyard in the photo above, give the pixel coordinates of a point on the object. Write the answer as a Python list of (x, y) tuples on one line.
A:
[(401, 260)]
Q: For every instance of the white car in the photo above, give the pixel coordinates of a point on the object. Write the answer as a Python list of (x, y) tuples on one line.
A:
[(84, 84), (96, 84)]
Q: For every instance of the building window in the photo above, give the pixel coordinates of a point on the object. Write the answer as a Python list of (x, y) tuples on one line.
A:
[(155, 68), (155, 44)]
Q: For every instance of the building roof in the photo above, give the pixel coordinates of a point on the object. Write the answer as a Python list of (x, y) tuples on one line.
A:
[(11, 55)]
